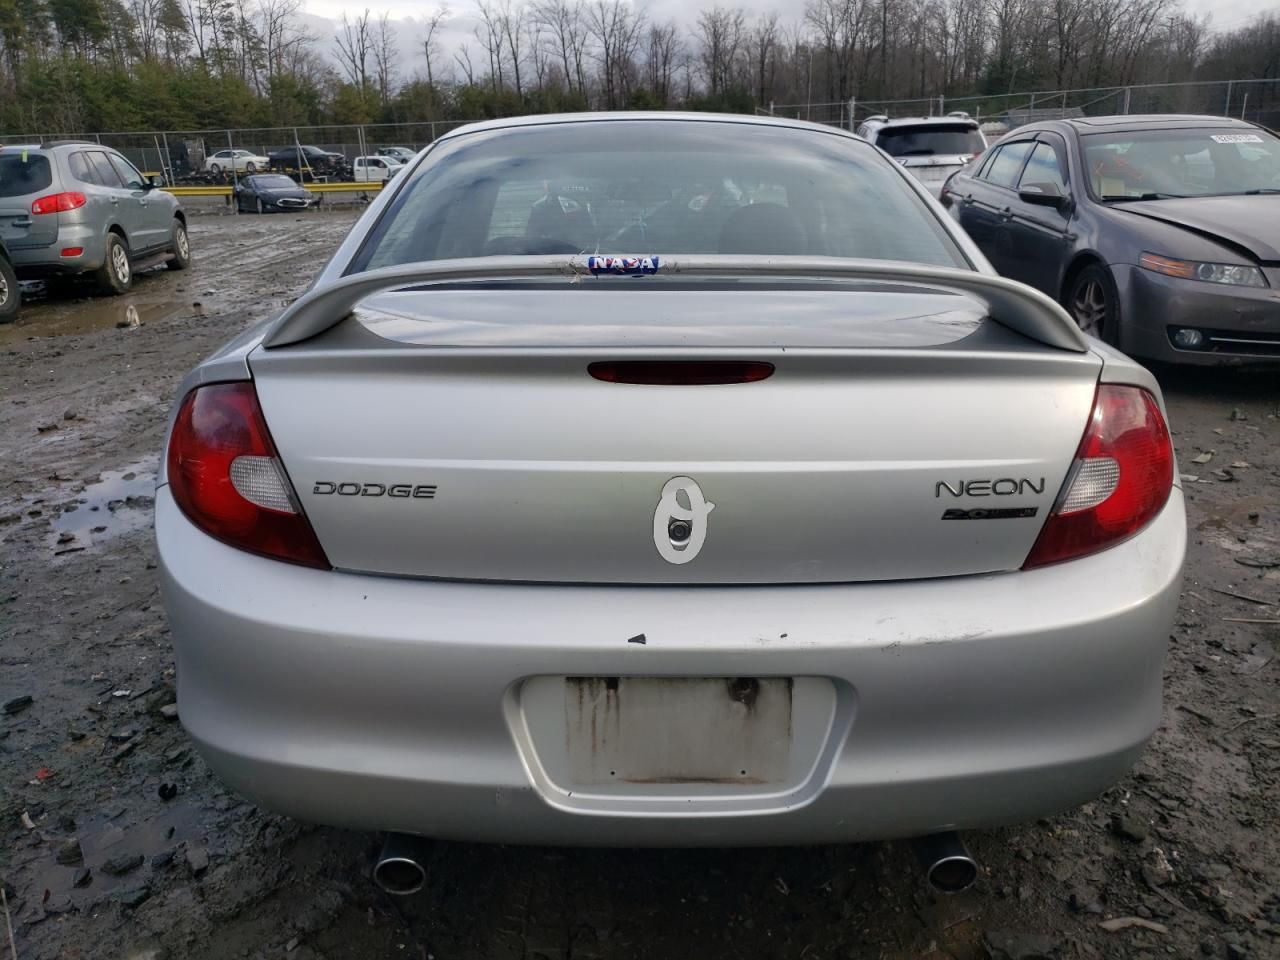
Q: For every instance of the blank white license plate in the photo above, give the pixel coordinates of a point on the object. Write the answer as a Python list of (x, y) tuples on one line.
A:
[(677, 730)]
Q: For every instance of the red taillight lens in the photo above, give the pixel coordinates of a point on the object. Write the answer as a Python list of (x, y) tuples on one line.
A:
[(59, 202), (227, 478), (1120, 480)]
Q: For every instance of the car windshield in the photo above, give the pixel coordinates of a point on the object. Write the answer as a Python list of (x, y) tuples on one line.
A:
[(933, 140), (22, 172), (1152, 165), (657, 187), (280, 182)]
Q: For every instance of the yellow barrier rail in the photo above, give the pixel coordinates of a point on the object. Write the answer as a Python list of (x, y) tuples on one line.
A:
[(224, 190), (198, 191)]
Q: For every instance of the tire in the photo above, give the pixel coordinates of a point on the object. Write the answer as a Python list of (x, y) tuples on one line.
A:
[(180, 244), (215, 169), (250, 167), (1093, 303), (115, 276), (260, 208), (10, 294)]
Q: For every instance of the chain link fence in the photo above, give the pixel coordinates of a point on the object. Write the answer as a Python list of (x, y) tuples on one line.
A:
[(186, 155), (1255, 100)]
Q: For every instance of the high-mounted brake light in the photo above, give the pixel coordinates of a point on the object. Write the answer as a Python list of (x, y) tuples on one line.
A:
[(680, 373), (59, 202), (227, 478), (1120, 479)]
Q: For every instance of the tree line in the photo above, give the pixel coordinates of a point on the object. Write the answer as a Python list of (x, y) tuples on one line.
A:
[(119, 65)]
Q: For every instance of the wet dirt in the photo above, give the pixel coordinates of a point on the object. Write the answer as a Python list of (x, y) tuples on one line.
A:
[(62, 318), (119, 502), (1188, 842)]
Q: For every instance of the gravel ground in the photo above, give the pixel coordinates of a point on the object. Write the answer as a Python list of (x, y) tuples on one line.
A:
[(115, 841)]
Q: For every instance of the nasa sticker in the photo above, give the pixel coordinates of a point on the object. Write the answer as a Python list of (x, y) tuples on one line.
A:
[(680, 529), (622, 266)]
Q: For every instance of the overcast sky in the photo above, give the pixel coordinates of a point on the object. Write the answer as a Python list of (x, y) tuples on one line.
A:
[(1225, 15)]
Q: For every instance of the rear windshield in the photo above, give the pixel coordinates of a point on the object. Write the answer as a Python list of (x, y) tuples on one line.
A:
[(1214, 161), (952, 140), (23, 173), (275, 183), (656, 187)]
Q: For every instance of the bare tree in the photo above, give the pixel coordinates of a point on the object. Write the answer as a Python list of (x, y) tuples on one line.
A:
[(353, 45), (763, 44), (616, 30), (567, 34), (539, 51), (511, 24), (488, 34), (663, 51), (283, 36), (463, 59), (720, 34), (146, 15), (385, 56), (429, 46)]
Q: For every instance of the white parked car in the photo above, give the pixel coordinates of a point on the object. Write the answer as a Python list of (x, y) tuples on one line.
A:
[(931, 148), (372, 169), (403, 154), (241, 161)]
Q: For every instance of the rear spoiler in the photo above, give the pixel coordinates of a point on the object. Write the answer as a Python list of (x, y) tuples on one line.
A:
[(1013, 305)]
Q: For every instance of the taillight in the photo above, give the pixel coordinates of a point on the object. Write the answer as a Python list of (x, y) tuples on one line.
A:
[(59, 202), (227, 478), (1120, 479)]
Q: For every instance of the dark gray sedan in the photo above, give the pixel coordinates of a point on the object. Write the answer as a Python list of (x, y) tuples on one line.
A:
[(271, 193), (1159, 234)]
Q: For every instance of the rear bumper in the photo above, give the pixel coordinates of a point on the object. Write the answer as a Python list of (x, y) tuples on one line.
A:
[(37, 262), (381, 703), (1240, 324)]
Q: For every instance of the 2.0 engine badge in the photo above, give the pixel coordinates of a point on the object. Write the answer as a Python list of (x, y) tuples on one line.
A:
[(680, 529)]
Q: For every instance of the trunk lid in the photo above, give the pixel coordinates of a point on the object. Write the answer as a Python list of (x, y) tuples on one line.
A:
[(456, 432)]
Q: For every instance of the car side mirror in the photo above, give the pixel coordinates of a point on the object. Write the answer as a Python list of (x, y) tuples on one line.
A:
[(154, 182), (1044, 195)]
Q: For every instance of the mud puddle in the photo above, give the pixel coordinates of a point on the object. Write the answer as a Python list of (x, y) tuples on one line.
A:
[(107, 856), (120, 502), (73, 317)]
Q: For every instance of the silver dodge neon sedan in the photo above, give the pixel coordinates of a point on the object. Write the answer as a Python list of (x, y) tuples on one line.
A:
[(667, 479)]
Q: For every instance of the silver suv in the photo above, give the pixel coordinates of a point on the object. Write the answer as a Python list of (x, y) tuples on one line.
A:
[(69, 208), (931, 148)]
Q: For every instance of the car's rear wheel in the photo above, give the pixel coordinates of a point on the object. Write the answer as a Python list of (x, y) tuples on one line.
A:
[(1093, 304), (115, 276), (10, 295), (180, 245)]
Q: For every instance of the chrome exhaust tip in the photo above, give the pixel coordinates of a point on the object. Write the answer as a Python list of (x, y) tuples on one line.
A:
[(400, 868), (948, 866)]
